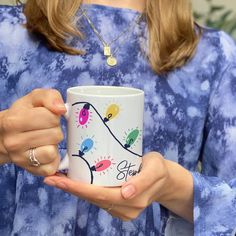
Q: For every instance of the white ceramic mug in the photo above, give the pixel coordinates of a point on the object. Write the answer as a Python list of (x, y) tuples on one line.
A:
[(104, 140)]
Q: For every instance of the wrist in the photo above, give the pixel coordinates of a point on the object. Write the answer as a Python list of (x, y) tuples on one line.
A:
[(179, 182), (177, 194)]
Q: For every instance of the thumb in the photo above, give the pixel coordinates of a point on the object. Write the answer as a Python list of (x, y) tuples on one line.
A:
[(48, 98), (145, 179)]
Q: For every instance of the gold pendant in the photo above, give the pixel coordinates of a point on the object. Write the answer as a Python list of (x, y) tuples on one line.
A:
[(111, 61), (107, 51)]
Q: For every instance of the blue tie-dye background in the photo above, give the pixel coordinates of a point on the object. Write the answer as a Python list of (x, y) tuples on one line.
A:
[(190, 115)]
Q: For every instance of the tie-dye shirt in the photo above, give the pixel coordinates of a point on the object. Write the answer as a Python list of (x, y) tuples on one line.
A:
[(190, 116)]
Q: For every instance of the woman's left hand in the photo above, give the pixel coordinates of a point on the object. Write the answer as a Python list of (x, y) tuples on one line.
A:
[(129, 200)]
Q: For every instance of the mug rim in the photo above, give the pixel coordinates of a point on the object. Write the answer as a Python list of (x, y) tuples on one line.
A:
[(78, 90)]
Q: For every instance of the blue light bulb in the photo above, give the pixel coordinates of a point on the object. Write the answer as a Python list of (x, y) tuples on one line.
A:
[(86, 145)]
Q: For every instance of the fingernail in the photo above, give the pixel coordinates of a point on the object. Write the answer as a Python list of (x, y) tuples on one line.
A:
[(50, 182), (61, 185), (128, 191)]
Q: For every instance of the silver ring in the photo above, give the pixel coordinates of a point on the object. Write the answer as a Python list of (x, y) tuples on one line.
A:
[(108, 209), (32, 158)]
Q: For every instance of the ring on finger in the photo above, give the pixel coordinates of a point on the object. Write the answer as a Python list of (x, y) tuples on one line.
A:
[(32, 158), (109, 208)]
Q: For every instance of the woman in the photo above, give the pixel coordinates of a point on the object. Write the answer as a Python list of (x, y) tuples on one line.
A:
[(188, 75)]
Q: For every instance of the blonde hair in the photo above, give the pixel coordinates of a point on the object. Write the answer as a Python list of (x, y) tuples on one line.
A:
[(172, 34)]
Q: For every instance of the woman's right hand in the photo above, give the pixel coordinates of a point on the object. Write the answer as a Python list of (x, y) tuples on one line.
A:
[(33, 121)]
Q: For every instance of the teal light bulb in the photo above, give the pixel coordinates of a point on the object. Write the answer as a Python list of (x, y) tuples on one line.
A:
[(131, 138)]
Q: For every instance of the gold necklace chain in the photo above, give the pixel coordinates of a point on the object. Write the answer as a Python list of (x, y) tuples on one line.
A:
[(111, 60)]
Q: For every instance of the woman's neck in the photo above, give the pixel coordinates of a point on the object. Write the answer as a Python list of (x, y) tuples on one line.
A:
[(137, 5)]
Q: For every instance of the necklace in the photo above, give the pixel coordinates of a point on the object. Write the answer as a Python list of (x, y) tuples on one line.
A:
[(110, 57)]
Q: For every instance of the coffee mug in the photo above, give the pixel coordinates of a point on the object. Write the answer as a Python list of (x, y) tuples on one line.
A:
[(104, 134)]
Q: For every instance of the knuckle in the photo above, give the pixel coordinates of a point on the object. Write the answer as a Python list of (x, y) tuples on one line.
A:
[(37, 91), (11, 144), (46, 92), (48, 170), (55, 121), (51, 153), (9, 123), (58, 135), (54, 92)]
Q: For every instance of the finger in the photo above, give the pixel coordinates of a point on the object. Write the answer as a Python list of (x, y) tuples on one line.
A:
[(149, 175), (45, 170), (92, 193), (32, 139), (45, 155), (30, 119), (100, 196), (48, 98)]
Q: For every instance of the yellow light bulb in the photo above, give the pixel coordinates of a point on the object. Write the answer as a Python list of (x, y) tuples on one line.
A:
[(112, 112)]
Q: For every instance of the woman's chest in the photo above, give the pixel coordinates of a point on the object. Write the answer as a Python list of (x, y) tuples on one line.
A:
[(175, 105)]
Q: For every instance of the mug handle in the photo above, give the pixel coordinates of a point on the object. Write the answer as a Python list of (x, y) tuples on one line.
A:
[(65, 161)]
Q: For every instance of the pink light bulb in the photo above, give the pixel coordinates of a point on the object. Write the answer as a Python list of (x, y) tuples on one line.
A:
[(102, 165), (83, 116)]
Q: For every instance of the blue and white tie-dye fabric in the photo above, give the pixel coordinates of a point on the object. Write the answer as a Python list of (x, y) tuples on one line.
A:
[(190, 115)]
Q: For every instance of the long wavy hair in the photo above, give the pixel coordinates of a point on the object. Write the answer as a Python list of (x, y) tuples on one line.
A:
[(173, 36)]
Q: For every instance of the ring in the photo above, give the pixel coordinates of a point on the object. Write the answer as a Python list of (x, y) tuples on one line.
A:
[(108, 209), (32, 158)]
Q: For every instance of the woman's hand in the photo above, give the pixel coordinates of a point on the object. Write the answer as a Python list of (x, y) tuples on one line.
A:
[(128, 201), (34, 122), (160, 180)]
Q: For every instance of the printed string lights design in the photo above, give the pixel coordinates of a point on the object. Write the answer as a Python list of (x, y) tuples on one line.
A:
[(84, 118)]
